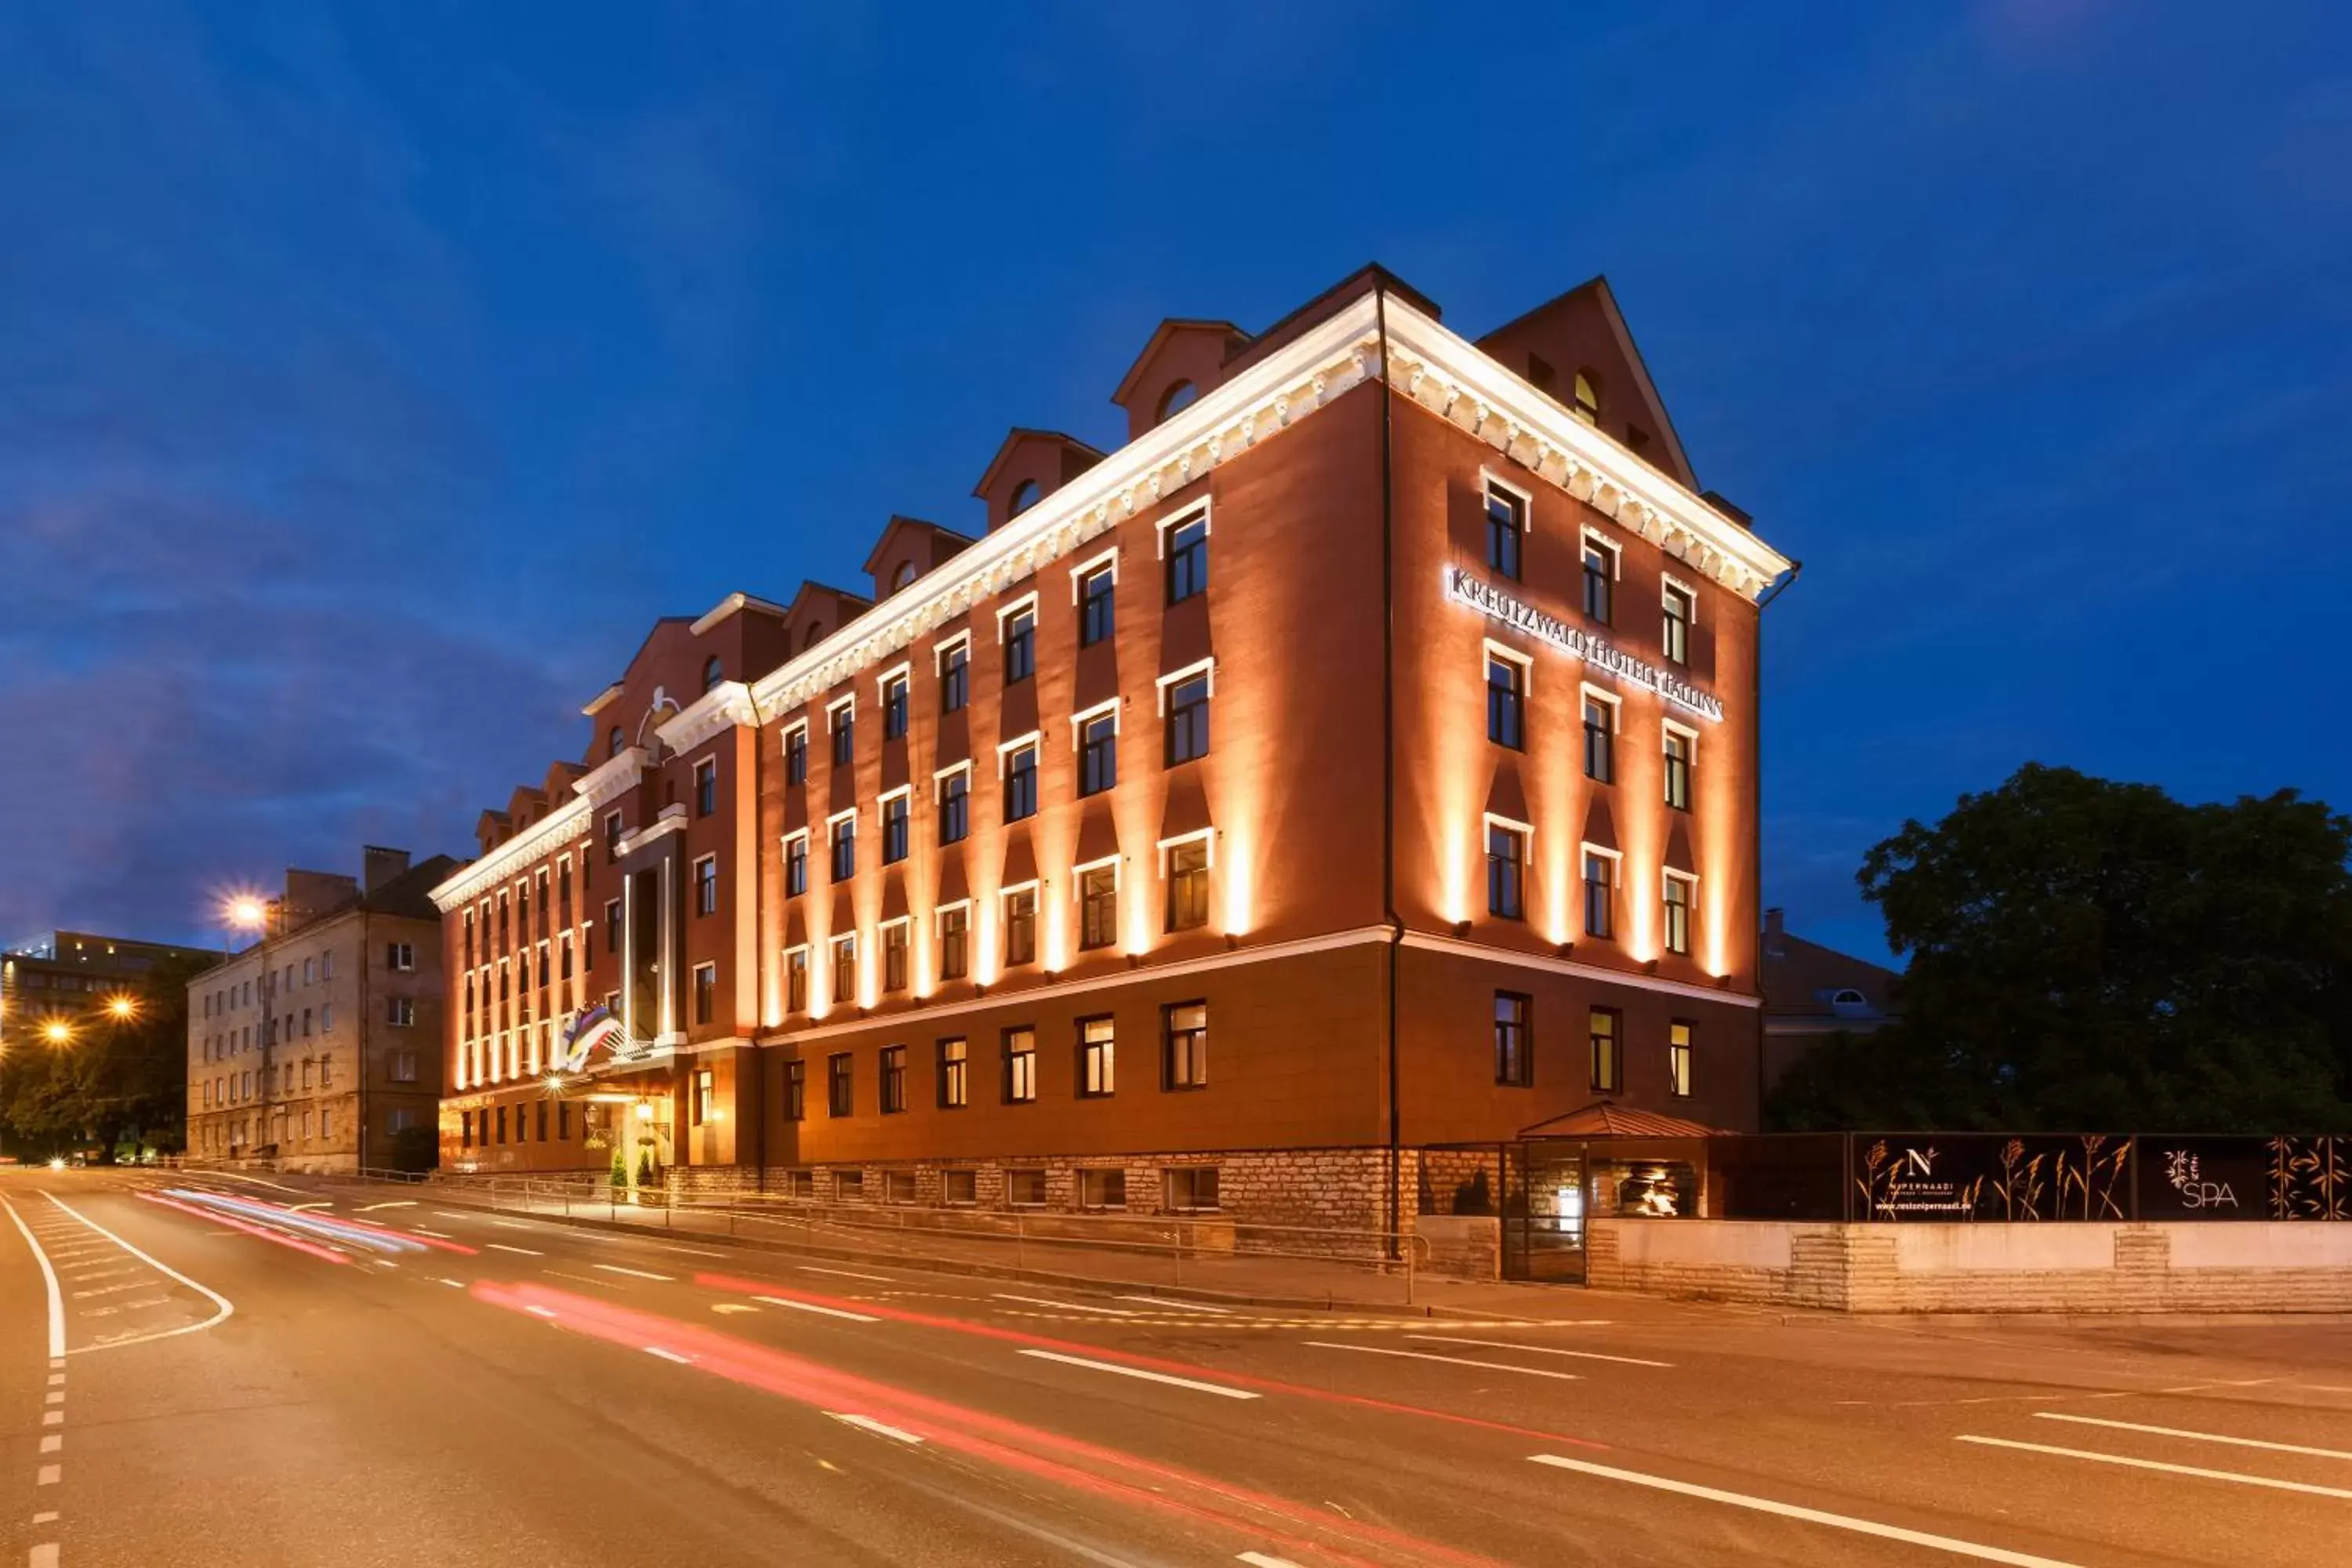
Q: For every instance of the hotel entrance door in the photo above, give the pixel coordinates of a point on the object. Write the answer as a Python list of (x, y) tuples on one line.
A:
[(1543, 1211)]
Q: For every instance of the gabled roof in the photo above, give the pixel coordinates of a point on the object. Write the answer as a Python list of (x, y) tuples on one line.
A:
[(898, 524), (1362, 280), (1013, 438), (810, 585), (1160, 334), (1607, 1119), (1597, 286), (730, 605)]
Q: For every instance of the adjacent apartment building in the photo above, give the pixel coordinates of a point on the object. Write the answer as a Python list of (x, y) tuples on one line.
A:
[(1359, 760), (319, 1045), (74, 977)]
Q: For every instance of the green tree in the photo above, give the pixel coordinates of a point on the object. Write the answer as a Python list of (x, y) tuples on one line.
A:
[(2087, 955), (120, 1083)]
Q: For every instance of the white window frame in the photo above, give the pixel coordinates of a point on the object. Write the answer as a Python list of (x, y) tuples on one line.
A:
[(1078, 873), (1175, 520), (1078, 720), (1208, 835), (797, 727), (1670, 584), (1490, 479), (1092, 565), (1616, 553), (695, 873), (1028, 602), (1207, 667), (904, 670), (1006, 748), (847, 699), (946, 645), (939, 777), (1615, 701), (1616, 858), (1497, 819), (787, 974), (1689, 879), (887, 796)]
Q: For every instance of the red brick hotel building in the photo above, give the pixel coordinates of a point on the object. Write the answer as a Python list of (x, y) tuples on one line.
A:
[(1360, 758)]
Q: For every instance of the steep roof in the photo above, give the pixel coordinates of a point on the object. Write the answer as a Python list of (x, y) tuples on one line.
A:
[(1607, 1119)]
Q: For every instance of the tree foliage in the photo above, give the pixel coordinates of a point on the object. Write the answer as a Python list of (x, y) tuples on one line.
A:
[(118, 1083), (2087, 955)]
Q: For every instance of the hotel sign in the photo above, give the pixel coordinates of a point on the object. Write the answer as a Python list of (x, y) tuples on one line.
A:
[(1520, 615)]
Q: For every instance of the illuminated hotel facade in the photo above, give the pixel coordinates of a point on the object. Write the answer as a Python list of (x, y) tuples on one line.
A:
[(1359, 759)]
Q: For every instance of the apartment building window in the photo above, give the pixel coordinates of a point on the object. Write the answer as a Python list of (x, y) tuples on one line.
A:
[(955, 942), (1678, 1058), (795, 866), (1514, 1045), (1024, 1189), (795, 1091), (1599, 894), (306, 1022), (1021, 926), (310, 970), (1506, 855), (1095, 613), (1098, 1059), (1020, 783), (1681, 747), (844, 721), (1676, 889), (955, 805), (894, 827), (1507, 702), (612, 925), (705, 992), (1020, 633), (1681, 609), (844, 847), (954, 1065), (1506, 523), (894, 707), (1189, 1189), (796, 754), (1599, 578), (1605, 1027), (400, 1067), (894, 1080), (840, 1085), (1102, 1189), (796, 968), (1099, 906), (955, 676), (844, 970), (1188, 719), (399, 957), (1600, 737), (1188, 559), (1098, 754), (1187, 884), (400, 1012), (1021, 1067), (706, 886), (1186, 1045), (706, 786), (894, 955)]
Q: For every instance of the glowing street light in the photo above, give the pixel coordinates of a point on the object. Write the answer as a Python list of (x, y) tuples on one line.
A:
[(121, 1008), (58, 1032), (245, 913)]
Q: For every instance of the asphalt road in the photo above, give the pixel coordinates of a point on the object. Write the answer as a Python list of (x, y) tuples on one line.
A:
[(212, 1385)]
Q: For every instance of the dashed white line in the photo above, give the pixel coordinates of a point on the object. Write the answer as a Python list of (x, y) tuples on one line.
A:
[(868, 1423), (2308, 1488), (1810, 1515), (45, 1556), (1455, 1360), (1183, 1307), (538, 1311), (502, 1247), (1538, 1350), (847, 1274), (49, 1475), (1072, 1306), (452, 1213), (812, 1307), (1260, 1560), (453, 1284), (1139, 1371), (207, 1291), (669, 1355), (2195, 1436), (48, 1278), (633, 1273), (435, 1234), (394, 1204), (52, 1444)]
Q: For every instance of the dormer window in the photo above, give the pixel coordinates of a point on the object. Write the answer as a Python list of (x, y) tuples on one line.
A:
[(1024, 495), (809, 639), (613, 743), (903, 577), (1179, 396), (1587, 405), (711, 672)]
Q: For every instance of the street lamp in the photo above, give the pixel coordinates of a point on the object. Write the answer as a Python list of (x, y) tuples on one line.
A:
[(250, 911), (58, 1032), (121, 1009)]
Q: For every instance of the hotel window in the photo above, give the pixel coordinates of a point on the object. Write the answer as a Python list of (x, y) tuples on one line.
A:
[(1599, 578), (848, 1187), (706, 1090), (612, 741), (959, 1189), (894, 707), (1681, 609), (795, 1091), (1186, 1026), (1507, 702), (563, 950), (954, 1063), (844, 847), (1587, 404), (563, 890), (1677, 893), (843, 720), (796, 754), (894, 828), (611, 852), (612, 925), (840, 1085), (1098, 906), (1514, 1052), (1098, 1059), (844, 970), (1506, 521), (1021, 926), (1605, 1027), (1019, 631), (1102, 1189), (955, 937), (712, 674), (705, 992), (1600, 737), (1599, 894), (706, 787), (1024, 1189), (795, 866), (1189, 1189), (894, 955), (1680, 746), (706, 886), (1678, 1059), (1098, 754), (894, 1080), (1188, 559), (1188, 719), (955, 805), (955, 676), (796, 980), (1021, 1068), (1020, 783), (1187, 884), (1506, 854), (1094, 604)]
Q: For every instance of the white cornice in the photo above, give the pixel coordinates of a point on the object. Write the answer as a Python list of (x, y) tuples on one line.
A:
[(596, 703), (558, 827), (1597, 972), (727, 703), (728, 605), (612, 777)]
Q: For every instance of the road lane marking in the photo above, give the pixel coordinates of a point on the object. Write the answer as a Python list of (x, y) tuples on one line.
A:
[(453, 1284), (1180, 1306), (1260, 1560), (848, 1274), (45, 1556), (2240, 1477), (207, 1291), (394, 1204), (1810, 1515), (1139, 1371), (540, 1311), (633, 1273), (1067, 1306), (868, 1423), (452, 1213), (52, 1443), (53, 1418), (436, 1235), (579, 1280), (2195, 1436), (812, 1307), (1539, 1350), (1455, 1359), (502, 1247), (49, 1475), (513, 1224), (669, 1355), (49, 1279)]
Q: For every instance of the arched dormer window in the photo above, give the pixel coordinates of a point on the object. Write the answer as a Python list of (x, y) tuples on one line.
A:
[(903, 577), (1587, 405), (613, 743), (809, 639), (1179, 396), (711, 672), (1024, 495)]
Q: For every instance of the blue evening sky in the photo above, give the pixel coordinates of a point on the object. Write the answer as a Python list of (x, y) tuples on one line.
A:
[(371, 375)]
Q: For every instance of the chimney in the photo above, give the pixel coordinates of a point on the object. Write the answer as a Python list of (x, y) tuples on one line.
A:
[(384, 864)]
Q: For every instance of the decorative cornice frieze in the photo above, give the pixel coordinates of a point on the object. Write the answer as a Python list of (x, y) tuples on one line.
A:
[(612, 778), (726, 704), (549, 833)]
